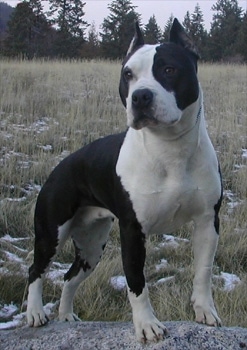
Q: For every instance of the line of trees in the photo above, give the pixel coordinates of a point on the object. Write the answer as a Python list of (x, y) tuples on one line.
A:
[(63, 32)]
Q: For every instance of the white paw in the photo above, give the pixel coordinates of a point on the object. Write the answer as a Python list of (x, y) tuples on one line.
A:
[(36, 317), (70, 317), (150, 330), (206, 314)]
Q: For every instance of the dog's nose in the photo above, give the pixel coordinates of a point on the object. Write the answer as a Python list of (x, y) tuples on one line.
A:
[(142, 98)]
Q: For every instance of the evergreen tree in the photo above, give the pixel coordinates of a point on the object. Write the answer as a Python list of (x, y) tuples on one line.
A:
[(5, 13), (27, 30), (242, 38), (152, 32), (42, 40), (71, 26), (197, 31), (93, 36), (166, 33), (36, 7), (118, 28), (19, 31), (91, 49), (187, 22), (224, 29)]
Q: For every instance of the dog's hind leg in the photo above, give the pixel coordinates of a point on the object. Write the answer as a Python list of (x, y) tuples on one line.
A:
[(45, 249), (89, 230)]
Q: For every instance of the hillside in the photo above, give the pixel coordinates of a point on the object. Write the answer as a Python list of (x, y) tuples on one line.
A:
[(5, 12)]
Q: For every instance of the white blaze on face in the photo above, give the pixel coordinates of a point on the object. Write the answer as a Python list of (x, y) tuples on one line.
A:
[(164, 107)]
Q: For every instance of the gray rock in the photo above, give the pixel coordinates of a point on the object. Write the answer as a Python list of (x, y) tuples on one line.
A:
[(115, 335)]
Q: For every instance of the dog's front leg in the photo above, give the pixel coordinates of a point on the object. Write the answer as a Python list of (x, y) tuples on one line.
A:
[(205, 242), (147, 327)]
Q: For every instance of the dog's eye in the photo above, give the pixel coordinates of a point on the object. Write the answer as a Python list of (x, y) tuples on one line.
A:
[(169, 70), (128, 75)]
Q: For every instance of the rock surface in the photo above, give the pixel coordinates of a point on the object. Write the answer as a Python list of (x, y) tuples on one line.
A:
[(113, 335)]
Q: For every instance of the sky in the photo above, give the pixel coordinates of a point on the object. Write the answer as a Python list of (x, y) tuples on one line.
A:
[(96, 10)]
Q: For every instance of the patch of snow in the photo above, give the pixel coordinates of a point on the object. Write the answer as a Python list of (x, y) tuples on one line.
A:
[(17, 321), (8, 199), (24, 164), (60, 265), (162, 265), (7, 311), (164, 280), (229, 194), (30, 187), (7, 135), (8, 238), (13, 257), (118, 282), (56, 274), (50, 307), (233, 201), (20, 319), (4, 271), (244, 153), (65, 153), (45, 148), (20, 249), (230, 280), (233, 205), (171, 241), (239, 166)]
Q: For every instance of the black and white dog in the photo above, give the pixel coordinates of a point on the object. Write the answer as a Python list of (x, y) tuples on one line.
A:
[(159, 174)]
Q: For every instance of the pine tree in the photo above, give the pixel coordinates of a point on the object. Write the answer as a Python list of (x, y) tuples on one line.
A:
[(93, 36), (166, 33), (152, 32), (42, 42), (187, 22), (19, 31), (27, 31), (224, 29), (197, 30), (241, 40), (36, 7), (91, 49), (118, 28), (68, 15)]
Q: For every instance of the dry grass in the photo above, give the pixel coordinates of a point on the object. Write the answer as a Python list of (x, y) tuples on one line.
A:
[(49, 109)]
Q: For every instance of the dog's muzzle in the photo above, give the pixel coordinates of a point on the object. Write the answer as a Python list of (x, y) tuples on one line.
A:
[(142, 102)]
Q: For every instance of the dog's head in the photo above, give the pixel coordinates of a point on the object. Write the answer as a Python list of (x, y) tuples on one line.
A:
[(158, 82)]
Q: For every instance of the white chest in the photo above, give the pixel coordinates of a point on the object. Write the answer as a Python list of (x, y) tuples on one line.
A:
[(160, 187)]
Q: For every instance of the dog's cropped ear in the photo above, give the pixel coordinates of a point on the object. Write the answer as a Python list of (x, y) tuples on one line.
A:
[(179, 36), (137, 41)]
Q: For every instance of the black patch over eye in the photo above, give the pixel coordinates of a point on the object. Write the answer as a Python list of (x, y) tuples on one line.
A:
[(128, 75)]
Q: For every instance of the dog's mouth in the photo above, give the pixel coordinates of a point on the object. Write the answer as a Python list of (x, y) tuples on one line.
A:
[(143, 120)]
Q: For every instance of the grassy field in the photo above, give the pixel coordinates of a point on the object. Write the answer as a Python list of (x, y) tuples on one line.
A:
[(48, 110)]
